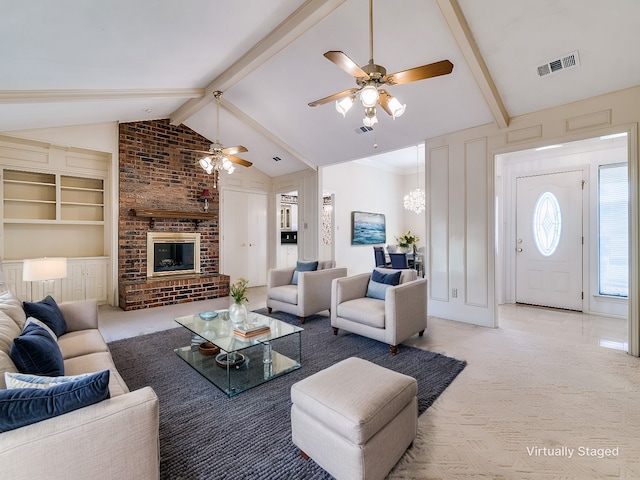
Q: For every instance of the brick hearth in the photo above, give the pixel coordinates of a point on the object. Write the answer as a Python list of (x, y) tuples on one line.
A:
[(155, 174)]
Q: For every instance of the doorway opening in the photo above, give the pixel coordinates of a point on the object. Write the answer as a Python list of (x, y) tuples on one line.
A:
[(553, 245), (287, 228)]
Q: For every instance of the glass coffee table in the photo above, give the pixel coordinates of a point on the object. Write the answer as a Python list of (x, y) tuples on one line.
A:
[(235, 362)]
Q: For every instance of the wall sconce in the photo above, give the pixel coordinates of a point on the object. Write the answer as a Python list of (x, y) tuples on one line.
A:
[(205, 196)]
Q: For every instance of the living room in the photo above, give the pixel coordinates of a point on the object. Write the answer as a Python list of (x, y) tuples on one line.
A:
[(458, 171)]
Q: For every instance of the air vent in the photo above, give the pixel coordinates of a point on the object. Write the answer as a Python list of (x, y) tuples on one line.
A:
[(559, 64), (277, 159), (363, 129)]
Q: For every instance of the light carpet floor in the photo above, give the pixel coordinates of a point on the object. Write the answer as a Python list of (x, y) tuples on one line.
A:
[(527, 392)]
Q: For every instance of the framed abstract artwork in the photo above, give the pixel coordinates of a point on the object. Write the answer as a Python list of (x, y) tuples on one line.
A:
[(368, 228)]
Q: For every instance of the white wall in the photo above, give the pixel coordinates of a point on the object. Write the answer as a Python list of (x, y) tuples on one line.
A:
[(361, 188)]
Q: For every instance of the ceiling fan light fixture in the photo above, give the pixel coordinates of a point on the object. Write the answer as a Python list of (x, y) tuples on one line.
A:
[(369, 96), (205, 163), (370, 118), (344, 105), (397, 108)]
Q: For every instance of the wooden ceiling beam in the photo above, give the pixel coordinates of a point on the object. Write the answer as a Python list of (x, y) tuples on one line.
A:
[(462, 34), (299, 22)]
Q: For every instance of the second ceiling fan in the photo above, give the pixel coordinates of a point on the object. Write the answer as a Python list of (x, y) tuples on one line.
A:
[(371, 77)]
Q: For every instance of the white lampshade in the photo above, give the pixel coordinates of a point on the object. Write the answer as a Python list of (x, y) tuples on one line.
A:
[(205, 163), (344, 105), (397, 108), (369, 96), (37, 269)]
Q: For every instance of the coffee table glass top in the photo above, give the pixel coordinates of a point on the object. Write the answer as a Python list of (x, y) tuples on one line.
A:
[(235, 363), (219, 330)]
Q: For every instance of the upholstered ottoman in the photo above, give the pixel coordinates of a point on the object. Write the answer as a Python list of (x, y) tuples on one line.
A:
[(355, 419)]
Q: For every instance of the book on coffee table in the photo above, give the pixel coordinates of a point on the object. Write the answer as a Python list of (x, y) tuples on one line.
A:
[(251, 329)]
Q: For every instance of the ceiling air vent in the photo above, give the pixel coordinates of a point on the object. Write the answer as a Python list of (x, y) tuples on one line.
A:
[(277, 159), (557, 65), (363, 129)]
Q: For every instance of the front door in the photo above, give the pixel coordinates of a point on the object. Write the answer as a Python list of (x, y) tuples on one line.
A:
[(549, 240)]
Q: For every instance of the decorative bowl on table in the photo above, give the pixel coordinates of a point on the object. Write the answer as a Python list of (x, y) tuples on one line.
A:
[(208, 348), (208, 315)]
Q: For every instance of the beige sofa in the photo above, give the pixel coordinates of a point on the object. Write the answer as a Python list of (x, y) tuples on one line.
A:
[(116, 438), (311, 295)]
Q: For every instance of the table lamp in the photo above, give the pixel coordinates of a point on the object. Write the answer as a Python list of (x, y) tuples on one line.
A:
[(44, 269)]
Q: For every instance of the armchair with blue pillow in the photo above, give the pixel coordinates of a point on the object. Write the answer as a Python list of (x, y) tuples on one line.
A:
[(304, 289), (386, 305)]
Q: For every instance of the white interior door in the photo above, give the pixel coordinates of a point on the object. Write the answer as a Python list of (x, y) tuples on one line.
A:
[(549, 240), (245, 236)]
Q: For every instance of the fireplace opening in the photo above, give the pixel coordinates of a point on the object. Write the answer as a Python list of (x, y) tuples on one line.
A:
[(172, 254)]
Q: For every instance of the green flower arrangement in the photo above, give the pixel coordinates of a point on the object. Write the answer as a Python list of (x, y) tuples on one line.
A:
[(407, 240), (238, 291)]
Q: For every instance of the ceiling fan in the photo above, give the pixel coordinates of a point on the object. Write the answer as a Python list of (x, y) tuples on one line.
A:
[(219, 157), (371, 77)]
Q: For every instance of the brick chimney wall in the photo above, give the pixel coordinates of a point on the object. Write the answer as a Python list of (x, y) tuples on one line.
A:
[(155, 174)]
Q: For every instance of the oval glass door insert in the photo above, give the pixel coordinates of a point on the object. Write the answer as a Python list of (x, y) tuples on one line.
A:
[(547, 223)]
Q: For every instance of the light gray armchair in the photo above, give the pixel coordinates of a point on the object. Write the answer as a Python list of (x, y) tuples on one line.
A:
[(401, 314), (311, 295)]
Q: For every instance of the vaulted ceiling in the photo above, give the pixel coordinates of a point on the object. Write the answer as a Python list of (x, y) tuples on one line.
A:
[(74, 62)]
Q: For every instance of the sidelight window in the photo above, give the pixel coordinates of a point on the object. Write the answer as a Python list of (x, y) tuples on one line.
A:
[(613, 230)]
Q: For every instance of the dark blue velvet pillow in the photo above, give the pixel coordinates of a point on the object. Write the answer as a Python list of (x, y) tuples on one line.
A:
[(24, 406), (303, 267), (35, 351), (47, 311)]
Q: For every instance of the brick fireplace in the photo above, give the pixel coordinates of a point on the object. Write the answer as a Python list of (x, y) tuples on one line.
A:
[(155, 175)]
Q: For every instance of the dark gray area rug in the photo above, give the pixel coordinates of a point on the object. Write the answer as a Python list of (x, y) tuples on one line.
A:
[(205, 435)]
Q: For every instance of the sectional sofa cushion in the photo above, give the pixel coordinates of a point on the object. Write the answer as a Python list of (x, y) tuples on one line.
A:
[(24, 406)]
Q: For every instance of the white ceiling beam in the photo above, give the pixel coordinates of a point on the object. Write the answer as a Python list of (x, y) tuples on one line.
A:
[(305, 17), (54, 96), (462, 34), (264, 132)]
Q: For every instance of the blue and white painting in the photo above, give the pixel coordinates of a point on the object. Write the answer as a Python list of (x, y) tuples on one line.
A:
[(368, 228)]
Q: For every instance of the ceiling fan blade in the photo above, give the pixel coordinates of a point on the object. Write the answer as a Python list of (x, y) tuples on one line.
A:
[(335, 96), (443, 67), (346, 64), (234, 150), (239, 161), (193, 151), (383, 101)]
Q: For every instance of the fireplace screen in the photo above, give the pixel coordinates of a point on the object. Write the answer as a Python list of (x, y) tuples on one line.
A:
[(172, 253)]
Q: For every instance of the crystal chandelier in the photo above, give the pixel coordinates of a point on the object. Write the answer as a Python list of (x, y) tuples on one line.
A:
[(415, 200)]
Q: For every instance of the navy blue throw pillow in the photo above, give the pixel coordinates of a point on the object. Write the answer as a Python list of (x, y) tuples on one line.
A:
[(303, 267), (47, 311), (35, 351), (386, 278), (24, 406)]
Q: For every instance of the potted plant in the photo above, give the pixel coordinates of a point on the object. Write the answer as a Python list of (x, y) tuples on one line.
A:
[(408, 241), (237, 310)]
